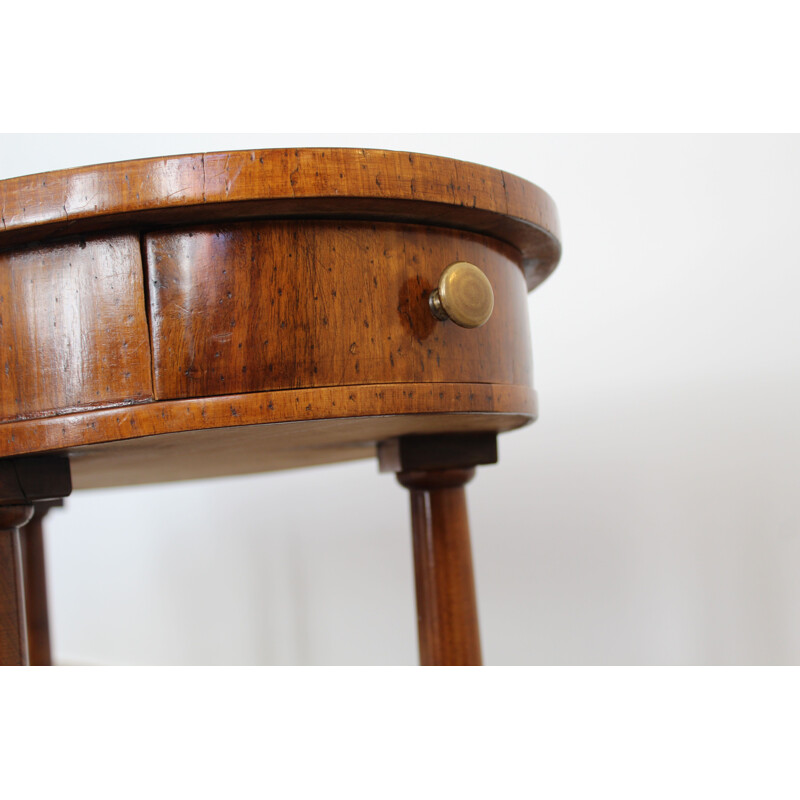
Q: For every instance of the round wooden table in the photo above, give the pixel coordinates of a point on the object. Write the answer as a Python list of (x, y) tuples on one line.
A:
[(227, 313)]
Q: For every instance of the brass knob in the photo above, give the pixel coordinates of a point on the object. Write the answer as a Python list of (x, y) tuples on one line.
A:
[(464, 295)]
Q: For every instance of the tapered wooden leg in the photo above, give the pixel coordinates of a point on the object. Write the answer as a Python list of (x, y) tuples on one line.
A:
[(13, 624), (33, 561), (435, 469), (447, 610)]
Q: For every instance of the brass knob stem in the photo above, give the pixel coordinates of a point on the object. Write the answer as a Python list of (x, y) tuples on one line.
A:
[(464, 296)]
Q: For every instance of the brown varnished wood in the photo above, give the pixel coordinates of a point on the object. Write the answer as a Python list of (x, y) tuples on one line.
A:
[(73, 330), (335, 402), (313, 182), (23, 481), (259, 448), (447, 610), (263, 321), (435, 469), (33, 562), (276, 305), (220, 313), (13, 624)]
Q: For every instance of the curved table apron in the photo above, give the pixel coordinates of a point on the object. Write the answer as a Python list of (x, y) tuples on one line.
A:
[(228, 313)]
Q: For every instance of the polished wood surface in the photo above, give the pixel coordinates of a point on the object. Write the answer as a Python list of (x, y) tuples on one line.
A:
[(23, 482), (447, 608), (211, 291), (221, 313), (277, 305), (489, 407), (244, 449), (309, 182), (13, 624), (33, 564), (73, 330)]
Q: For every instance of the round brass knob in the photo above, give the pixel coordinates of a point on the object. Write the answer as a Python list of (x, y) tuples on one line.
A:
[(464, 295)]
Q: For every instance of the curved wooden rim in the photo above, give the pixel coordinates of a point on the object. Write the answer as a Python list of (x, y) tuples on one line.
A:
[(289, 405), (310, 182)]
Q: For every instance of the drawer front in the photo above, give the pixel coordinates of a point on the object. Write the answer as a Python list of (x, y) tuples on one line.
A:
[(294, 304), (73, 328)]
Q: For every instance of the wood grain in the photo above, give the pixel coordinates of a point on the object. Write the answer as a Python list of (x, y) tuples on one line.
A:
[(73, 331), (336, 402), (447, 608), (303, 319), (314, 182), (248, 449), (277, 305), (278, 318)]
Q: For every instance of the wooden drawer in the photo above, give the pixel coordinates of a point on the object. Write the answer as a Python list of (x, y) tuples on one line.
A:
[(259, 306), (73, 329)]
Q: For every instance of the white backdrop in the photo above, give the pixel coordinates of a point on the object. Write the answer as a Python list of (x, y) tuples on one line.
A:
[(651, 515)]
